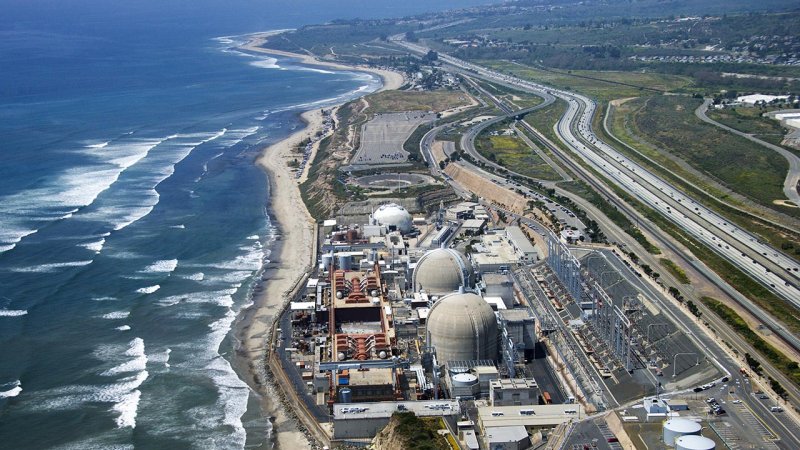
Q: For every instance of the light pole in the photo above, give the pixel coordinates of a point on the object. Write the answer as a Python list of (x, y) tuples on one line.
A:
[(675, 358)]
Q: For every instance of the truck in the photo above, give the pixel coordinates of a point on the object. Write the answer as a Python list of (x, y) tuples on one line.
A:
[(546, 398)]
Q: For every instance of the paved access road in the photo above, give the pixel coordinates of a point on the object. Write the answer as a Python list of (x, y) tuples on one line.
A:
[(792, 177)]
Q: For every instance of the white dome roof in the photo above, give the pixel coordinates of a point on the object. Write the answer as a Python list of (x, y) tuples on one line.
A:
[(682, 425), (442, 271), (462, 327), (393, 215), (692, 442)]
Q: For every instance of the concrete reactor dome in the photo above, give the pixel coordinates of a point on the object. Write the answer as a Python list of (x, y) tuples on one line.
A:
[(462, 327), (442, 271), (394, 216)]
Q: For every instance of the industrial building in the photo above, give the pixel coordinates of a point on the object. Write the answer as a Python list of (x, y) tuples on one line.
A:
[(365, 420), (513, 392)]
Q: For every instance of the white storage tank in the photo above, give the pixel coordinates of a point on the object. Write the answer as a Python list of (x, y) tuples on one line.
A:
[(694, 443), (675, 428), (464, 385)]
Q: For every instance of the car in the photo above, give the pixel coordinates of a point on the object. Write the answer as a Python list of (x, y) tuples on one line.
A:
[(710, 400), (725, 379), (776, 409), (763, 397), (698, 389), (736, 402)]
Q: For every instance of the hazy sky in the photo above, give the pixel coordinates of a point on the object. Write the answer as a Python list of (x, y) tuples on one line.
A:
[(219, 15)]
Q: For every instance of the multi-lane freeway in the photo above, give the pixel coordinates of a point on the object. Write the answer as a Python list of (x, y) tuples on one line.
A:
[(575, 130), (776, 271)]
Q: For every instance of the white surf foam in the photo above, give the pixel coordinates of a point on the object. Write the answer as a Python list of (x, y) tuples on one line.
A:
[(137, 364), (162, 266), (99, 145), (161, 357), (12, 312), (116, 315), (123, 328), (195, 276), (148, 289), (95, 246), (127, 408), (179, 227), (156, 165), (52, 267), (266, 63), (15, 389)]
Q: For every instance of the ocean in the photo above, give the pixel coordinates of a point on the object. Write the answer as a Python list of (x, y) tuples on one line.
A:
[(133, 220)]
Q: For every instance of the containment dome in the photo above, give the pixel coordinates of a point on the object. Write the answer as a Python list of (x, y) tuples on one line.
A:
[(462, 327), (442, 271), (393, 216)]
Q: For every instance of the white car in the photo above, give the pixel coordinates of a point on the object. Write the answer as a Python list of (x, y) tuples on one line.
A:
[(736, 402)]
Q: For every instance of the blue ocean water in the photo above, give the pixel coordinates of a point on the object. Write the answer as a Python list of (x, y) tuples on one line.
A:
[(133, 221)]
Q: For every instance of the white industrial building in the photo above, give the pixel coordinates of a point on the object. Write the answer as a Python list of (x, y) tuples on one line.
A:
[(365, 420), (523, 247)]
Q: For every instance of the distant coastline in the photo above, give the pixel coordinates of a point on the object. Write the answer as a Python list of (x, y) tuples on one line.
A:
[(292, 256)]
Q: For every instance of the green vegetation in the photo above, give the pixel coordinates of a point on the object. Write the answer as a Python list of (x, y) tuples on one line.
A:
[(637, 43), (394, 101), (740, 164), (521, 100), (419, 433), (511, 152), (544, 119), (668, 123), (645, 154), (751, 121), (784, 364), (603, 86), (582, 189), (675, 270)]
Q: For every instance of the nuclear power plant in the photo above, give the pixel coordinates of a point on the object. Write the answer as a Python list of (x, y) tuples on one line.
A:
[(506, 329)]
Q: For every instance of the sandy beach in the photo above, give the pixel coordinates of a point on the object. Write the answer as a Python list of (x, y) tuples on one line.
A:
[(391, 79), (291, 258)]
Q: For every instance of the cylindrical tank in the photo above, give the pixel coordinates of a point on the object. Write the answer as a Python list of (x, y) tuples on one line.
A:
[(691, 442), (327, 259), (675, 428), (464, 379), (344, 262), (345, 395)]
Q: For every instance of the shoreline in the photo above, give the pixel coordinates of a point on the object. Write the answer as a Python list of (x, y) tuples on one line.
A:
[(291, 258), (391, 80)]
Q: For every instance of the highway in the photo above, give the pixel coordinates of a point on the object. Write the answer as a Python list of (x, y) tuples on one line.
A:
[(770, 322), (773, 269)]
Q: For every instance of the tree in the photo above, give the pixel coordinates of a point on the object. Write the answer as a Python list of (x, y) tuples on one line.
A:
[(411, 36)]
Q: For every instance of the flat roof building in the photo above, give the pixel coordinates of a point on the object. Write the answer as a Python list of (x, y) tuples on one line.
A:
[(522, 245), (365, 420), (507, 438), (529, 416)]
